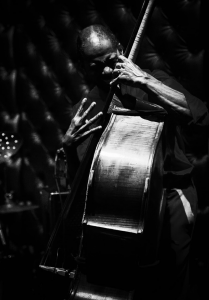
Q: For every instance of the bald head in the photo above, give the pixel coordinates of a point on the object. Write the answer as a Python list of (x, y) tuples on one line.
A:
[(95, 37)]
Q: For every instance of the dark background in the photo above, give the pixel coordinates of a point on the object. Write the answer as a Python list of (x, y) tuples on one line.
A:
[(40, 81)]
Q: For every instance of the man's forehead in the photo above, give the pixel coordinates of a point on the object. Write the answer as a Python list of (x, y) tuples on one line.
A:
[(97, 45), (94, 38), (97, 41)]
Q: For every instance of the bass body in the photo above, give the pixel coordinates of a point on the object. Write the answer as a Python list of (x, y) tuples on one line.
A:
[(124, 206)]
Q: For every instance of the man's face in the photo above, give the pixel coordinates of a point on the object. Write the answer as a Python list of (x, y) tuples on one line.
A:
[(100, 58)]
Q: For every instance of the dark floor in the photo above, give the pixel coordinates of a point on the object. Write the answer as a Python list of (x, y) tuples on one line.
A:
[(21, 277)]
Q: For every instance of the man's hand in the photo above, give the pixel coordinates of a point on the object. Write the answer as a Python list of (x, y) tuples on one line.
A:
[(79, 127), (128, 73)]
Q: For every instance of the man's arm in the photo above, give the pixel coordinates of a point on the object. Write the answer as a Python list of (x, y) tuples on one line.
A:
[(130, 74), (172, 100)]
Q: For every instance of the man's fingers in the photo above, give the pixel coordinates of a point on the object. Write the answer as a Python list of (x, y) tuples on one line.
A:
[(92, 120), (91, 131), (87, 133), (117, 79), (81, 113), (89, 122), (81, 107), (123, 58), (119, 66), (114, 81), (88, 110)]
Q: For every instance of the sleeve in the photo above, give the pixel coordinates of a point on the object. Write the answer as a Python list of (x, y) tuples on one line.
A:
[(195, 132), (199, 111)]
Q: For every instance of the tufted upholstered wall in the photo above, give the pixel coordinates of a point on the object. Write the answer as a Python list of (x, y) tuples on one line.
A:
[(40, 78)]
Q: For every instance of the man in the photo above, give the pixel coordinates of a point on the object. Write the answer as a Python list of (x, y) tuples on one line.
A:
[(103, 61)]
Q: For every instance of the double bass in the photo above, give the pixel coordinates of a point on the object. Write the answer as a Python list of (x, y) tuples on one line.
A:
[(119, 217)]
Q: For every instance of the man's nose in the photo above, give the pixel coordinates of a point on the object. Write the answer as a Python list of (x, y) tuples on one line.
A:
[(107, 71)]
